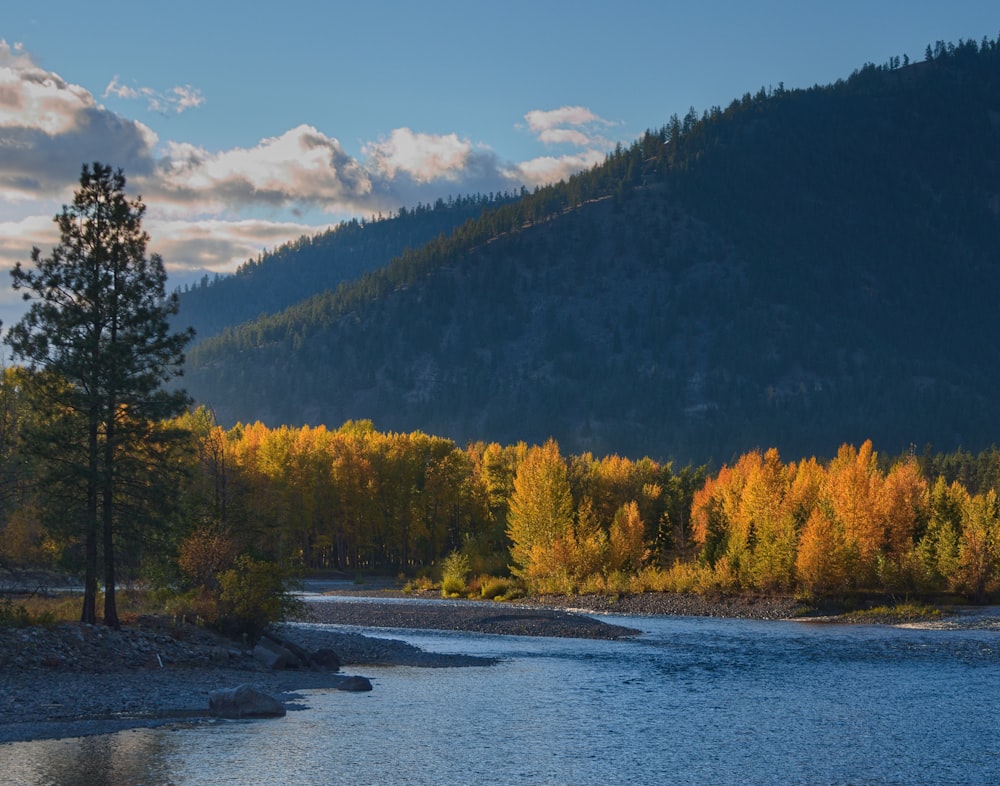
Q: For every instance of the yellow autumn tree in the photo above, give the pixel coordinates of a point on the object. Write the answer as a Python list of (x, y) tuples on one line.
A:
[(540, 522), (852, 490), (823, 560), (904, 510), (744, 516), (979, 546), (768, 524), (627, 540)]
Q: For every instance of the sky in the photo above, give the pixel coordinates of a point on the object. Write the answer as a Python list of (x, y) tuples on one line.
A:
[(243, 125)]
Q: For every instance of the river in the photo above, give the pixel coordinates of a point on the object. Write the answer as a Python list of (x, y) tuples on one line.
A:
[(690, 701)]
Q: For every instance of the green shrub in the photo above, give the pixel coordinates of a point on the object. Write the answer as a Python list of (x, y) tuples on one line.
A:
[(893, 615), (494, 588), (419, 584), (455, 571), (43, 611), (253, 594), (13, 616)]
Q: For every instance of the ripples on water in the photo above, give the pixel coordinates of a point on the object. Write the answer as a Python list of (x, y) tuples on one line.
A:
[(692, 701)]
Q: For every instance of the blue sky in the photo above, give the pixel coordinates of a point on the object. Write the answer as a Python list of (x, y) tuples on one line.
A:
[(245, 124)]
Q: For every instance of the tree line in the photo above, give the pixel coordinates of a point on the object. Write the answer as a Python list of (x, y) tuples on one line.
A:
[(357, 500), (849, 524)]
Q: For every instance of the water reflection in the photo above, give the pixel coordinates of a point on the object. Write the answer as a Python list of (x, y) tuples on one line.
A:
[(135, 757)]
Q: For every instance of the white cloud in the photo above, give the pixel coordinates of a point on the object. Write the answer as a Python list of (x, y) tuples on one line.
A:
[(48, 127), (17, 238), (175, 100), (301, 168), (551, 169), (541, 120), (410, 167), (16, 241), (218, 245), (572, 125), (422, 157)]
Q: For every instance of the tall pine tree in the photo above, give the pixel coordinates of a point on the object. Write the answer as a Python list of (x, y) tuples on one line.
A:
[(99, 320)]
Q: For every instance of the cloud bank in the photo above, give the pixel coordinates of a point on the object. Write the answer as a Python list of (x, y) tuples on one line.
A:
[(214, 209), (49, 126)]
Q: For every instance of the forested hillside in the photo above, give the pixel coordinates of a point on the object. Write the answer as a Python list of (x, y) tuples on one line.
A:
[(799, 269), (300, 269)]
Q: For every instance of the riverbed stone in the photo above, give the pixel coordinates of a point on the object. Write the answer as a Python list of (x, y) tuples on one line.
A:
[(355, 684), (273, 656), (244, 702), (325, 659)]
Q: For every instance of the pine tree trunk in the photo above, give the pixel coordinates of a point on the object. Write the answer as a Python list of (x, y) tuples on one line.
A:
[(108, 516), (89, 613), (110, 603)]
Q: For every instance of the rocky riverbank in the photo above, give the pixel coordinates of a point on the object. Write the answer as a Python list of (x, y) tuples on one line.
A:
[(74, 680)]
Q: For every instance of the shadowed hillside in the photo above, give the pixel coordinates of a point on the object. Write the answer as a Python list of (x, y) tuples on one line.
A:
[(799, 269), (300, 269)]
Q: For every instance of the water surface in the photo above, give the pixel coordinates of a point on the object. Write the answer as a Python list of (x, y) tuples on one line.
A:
[(691, 701)]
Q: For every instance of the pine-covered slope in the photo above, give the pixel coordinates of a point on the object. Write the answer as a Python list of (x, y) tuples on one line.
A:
[(310, 265), (800, 269)]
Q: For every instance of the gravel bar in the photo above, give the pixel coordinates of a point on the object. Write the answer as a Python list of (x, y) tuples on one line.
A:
[(505, 619)]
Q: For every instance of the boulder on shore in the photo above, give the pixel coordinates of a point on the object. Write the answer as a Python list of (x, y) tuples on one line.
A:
[(274, 656), (275, 653), (244, 702), (355, 684)]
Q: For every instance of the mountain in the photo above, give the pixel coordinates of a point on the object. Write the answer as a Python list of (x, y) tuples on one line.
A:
[(297, 270), (799, 269)]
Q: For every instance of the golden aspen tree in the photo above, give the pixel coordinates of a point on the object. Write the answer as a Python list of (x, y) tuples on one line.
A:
[(979, 546), (853, 489), (805, 480), (823, 559), (770, 526), (904, 511), (351, 472), (541, 511), (591, 542), (711, 509), (626, 538)]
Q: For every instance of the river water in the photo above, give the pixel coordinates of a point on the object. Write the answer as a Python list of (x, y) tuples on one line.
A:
[(690, 701)]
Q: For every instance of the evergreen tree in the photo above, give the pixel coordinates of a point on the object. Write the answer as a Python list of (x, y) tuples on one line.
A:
[(99, 319)]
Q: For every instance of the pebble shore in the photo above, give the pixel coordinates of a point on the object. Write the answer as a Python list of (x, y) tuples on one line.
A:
[(74, 679)]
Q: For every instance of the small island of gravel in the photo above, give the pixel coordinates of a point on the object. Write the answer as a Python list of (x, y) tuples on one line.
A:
[(507, 619)]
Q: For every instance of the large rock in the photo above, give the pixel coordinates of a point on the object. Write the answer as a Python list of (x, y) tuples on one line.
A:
[(325, 660), (272, 655), (244, 702), (355, 684), (275, 653)]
